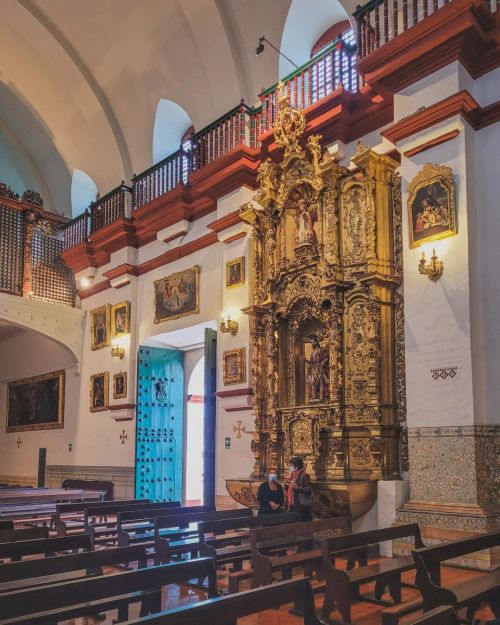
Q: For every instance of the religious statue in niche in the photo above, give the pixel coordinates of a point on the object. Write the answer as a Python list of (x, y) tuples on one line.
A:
[(317, 372), (304, 226)]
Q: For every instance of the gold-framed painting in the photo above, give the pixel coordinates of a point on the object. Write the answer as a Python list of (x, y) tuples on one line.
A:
[(177, 295), (235, 272), (233, 364), (432, 212), (99, 391), (120, 385), (120, 319), (100, 327), (36, 403)]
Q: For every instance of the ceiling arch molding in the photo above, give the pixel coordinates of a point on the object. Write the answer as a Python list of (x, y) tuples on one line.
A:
[(60, 323)]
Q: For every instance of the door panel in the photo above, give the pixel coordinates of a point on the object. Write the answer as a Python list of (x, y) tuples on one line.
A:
[(159, 431), (209, 417)]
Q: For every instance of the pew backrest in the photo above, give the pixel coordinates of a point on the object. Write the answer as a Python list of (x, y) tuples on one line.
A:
[(285, 534), (220, 526), (24, 533), (184, 520), (44, 546), (370, 538), (92, 511), (58, 596), (27, 569), (227, 609), (428, 559), (445, 615), (148, 514), (63, 508)]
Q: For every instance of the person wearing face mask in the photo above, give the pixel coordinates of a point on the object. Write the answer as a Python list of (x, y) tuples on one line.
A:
[(299, 490), (270, 494)]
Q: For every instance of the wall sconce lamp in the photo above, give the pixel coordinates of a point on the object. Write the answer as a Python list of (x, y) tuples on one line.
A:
[(433, 269), (228, 326), (118, 351)]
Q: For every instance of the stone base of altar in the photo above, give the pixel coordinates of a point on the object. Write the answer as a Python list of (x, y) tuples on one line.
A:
[(330, 498), (444, 522)]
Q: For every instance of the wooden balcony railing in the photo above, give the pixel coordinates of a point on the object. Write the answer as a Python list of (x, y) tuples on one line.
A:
[(235, 128), (381, 21), (31, 244), (322, 75), (242, 125)]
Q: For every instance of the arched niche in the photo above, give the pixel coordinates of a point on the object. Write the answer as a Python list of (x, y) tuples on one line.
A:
[(171, 124), (60, 323), (83, 192), (303, 28)]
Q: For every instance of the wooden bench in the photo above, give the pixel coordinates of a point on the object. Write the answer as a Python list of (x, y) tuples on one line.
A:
[(93, 595), (105, 486), (466, 594), (227, 610), (147, 517), (70, 511), (342, 585), (304, 536), (24, 533), (439, 616), (44, 546), (29, 573), (174, 526)]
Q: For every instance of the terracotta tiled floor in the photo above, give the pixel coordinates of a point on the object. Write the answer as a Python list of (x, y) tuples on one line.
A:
[(363, 613)]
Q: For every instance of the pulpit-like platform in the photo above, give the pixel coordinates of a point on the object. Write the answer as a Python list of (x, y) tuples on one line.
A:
[(330, 498)]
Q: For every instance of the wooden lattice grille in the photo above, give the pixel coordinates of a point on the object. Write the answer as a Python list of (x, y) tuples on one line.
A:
[(11, 250), (52, 280)]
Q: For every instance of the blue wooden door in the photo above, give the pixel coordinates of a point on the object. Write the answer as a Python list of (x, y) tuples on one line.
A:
[(159, 431)]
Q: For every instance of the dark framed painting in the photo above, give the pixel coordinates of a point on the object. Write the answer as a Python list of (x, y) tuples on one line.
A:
[(99, 391), (36, 403), (235, 272), (177, 295), (120, 385), (100, 330), (120, 319), (233, 363), (432, 212)]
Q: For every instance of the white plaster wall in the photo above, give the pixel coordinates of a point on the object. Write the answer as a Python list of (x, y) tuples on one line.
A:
[(484, 253), (28, 355)]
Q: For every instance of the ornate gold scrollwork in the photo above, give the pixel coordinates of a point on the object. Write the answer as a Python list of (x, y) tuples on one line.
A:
[(326, 324)]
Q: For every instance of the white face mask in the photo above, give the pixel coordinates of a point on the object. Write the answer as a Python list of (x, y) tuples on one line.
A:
[(292, 468), (273, 477)]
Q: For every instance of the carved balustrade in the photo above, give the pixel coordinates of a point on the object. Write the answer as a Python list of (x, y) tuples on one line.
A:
[(31, 244)]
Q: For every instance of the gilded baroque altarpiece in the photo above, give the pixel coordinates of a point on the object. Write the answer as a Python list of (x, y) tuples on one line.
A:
[(327, 337)]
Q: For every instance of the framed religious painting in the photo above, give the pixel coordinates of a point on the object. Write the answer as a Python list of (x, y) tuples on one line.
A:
[(99, 391), (120, 385), (36, 403), (233, 363), (235, 272), (177, 295), (100, 330), (120, 319), (432, 212)]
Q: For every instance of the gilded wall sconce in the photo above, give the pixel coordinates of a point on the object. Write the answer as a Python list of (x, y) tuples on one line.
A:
[(228, 326), (433, 269)]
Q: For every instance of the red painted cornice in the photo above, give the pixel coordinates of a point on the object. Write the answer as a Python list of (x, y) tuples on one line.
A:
[(461, 103), (121, 270), (94, 289), (463, 30), (235, 392), (225, 222), (447, 136)]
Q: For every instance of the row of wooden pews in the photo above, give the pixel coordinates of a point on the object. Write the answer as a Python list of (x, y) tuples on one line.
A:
[(51, 579)]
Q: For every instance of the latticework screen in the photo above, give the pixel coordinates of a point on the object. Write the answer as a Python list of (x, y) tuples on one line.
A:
[(52, 280), (11, 250)]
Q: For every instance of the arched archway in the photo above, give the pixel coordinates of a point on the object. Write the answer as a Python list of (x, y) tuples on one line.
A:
[(83, 192), (171, 123), (195, 435), (304, 27)]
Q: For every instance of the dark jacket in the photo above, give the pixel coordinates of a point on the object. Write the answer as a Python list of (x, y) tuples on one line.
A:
[(265, 495), (304, 487)]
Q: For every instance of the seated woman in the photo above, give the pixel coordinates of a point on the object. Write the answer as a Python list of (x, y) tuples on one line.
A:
[(270, 494)]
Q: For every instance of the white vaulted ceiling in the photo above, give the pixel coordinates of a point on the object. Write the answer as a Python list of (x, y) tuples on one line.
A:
[(80, 80)]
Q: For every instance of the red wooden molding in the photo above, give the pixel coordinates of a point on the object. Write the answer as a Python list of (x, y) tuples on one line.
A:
[(448, 136)]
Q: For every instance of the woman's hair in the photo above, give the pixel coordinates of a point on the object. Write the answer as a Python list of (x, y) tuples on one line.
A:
[(272, 470), (297, 462)]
